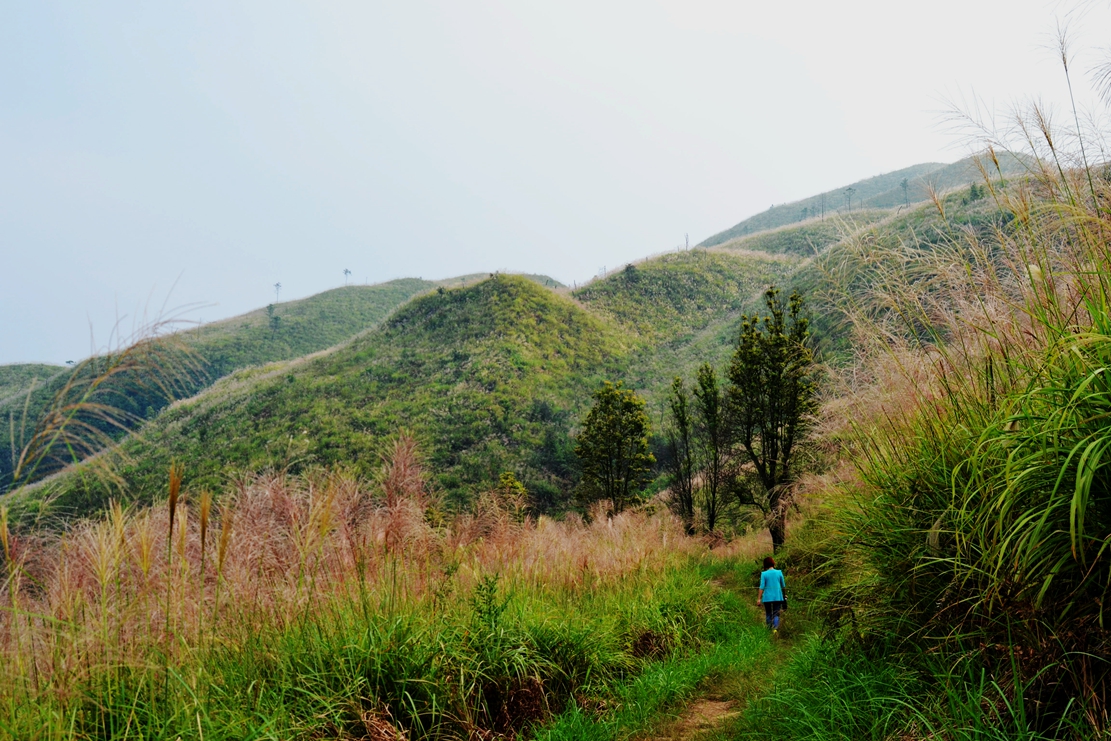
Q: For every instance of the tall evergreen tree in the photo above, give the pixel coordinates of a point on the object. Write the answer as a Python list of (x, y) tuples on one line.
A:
[(772, 395), (613, 446), (713, 441), (681, 463)]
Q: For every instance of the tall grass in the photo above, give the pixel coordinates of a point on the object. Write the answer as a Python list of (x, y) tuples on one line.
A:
[(333, 607), (979, 422)]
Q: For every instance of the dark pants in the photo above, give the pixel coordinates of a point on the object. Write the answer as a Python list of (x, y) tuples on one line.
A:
[(771, 613)]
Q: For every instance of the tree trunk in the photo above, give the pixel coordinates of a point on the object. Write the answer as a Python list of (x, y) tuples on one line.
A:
[(778, 529)]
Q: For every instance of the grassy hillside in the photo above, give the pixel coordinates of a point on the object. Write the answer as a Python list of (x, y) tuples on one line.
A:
[(491, 377), (295, 328), (463, 281), (670, 298), (960, 174), (828, 203), (879, 192), (280, 332), (806, 239), (16, 378), (685, 308), (486, 376), (494, 376)]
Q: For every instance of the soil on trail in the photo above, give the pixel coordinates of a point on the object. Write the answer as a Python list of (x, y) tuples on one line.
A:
[(701, 716), (709, 715)]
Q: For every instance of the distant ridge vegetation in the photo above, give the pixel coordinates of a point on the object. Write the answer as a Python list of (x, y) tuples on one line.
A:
[(491, 377), (650, 321), (16, 378), (281, 331), (878, 192)]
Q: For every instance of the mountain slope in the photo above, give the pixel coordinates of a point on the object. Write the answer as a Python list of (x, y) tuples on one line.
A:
[(479, 373), (879, 192), (823, 204), (494, 376), (491, 377), (808, 238), (16, 378), (280, 332)]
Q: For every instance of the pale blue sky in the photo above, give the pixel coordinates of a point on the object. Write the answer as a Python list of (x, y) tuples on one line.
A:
[(229, 145)]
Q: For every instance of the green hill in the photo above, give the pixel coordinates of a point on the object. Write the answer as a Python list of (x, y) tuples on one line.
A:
[(806, 239), (16, 378), (280, 332), (491, 377), (879, 192), (822, 205), (481, 374)]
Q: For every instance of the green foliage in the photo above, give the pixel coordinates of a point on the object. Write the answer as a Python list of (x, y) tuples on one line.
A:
[(830, 690), (673, 297), (204, 354), (16, 378), (488, 377), (772, 395), (352, 667), (713, 442), (613, 446), (680, 462), (508, 484)]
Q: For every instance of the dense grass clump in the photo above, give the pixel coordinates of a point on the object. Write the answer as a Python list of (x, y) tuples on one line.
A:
[(980, 432)]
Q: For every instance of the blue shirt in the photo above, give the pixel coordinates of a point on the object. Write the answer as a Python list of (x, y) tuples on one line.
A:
[(771, 581)]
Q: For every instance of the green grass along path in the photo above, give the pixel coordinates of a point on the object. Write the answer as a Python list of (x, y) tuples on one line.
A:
[(692, 696)]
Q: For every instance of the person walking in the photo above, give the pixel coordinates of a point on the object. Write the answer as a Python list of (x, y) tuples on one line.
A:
[(773, 594)]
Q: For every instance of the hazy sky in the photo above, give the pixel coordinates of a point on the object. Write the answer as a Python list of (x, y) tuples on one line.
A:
[(228, 145)]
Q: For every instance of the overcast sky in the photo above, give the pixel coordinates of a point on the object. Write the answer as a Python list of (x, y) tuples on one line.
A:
[(225, 146)]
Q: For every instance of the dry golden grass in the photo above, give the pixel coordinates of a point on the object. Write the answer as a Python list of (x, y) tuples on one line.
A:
[(137, 583)]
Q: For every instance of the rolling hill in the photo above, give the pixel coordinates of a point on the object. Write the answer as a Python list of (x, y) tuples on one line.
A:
[(491, 377), (16, 378), (278, 332), (879, 192), (491, 374)]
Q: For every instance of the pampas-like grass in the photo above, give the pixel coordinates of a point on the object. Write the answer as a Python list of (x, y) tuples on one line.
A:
[(297, 543)]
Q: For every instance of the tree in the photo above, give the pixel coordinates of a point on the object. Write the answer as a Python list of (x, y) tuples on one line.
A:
[(275, 320), (613, 446), (277, 291), (346, 273), (849, 192), (713, 441), (905, 185), (681, 463), (771, 396)]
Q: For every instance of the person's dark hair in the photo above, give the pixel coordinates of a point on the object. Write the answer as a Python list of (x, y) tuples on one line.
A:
[(769, 563)]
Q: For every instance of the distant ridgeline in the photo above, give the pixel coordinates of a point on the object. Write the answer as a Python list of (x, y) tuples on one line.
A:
[(879, 192), (492, 373), (277, 332)]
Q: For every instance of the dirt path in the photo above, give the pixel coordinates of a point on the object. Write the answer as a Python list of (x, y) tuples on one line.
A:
[(701, 717), (707, 716)]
